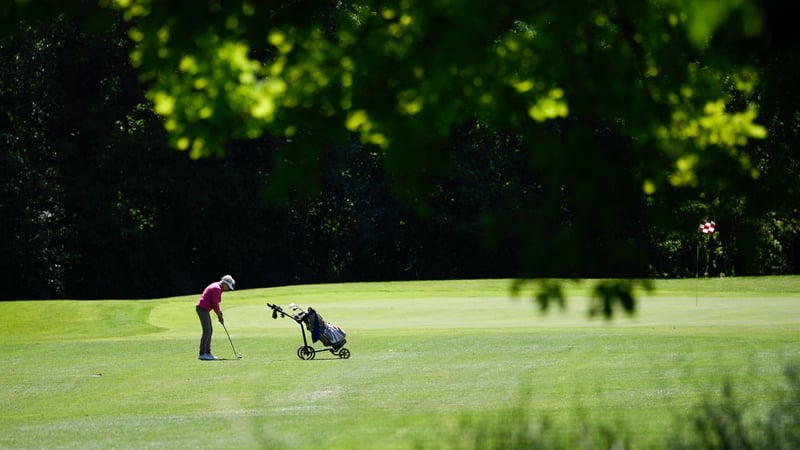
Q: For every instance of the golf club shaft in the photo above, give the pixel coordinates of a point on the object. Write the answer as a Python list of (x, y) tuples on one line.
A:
[(230, 340)]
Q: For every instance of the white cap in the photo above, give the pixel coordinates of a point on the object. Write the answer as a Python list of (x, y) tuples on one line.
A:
[(228, 280)]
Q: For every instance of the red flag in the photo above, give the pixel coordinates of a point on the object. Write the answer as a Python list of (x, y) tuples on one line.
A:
[(707, 227)]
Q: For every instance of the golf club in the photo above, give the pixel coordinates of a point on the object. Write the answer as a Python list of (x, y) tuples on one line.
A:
[(237, 355), (277, 310)]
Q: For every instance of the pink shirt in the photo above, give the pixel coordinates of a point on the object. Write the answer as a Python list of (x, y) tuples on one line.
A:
[(211, 297)]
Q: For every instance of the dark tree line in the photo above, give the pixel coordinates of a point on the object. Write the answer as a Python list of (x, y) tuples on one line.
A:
[(95, 204)]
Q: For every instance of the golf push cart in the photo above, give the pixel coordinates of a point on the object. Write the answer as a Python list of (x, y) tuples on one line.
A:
[(331, 336)]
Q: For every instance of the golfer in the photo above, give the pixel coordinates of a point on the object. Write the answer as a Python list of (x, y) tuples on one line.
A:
[(209, 301)]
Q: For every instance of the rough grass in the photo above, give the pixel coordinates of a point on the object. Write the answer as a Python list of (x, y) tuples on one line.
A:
[(432, 363)]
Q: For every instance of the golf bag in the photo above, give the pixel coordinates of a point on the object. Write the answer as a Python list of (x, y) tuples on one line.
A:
[(329, 334)]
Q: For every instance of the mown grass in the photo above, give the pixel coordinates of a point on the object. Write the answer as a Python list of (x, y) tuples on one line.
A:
[(432, 363)]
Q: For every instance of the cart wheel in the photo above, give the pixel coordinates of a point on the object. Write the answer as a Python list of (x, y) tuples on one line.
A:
[(305, 352), (344, 353)]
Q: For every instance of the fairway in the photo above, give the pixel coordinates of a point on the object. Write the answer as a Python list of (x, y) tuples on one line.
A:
[(427, 358)]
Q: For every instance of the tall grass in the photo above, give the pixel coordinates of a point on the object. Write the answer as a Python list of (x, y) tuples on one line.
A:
[(713, 423)]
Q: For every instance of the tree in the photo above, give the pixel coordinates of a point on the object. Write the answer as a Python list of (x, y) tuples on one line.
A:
[(72, 209), (615, 102), (603, 119)]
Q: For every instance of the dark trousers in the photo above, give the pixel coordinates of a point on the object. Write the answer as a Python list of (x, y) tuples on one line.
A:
[(205, 322)]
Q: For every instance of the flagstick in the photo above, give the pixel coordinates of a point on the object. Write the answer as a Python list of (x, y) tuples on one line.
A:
[(707, 228), (697, 272)]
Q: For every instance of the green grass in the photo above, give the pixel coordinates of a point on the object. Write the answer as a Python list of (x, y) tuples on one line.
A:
[(426, 356)]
